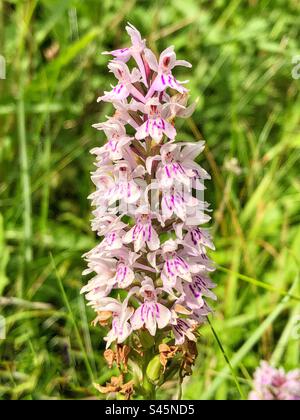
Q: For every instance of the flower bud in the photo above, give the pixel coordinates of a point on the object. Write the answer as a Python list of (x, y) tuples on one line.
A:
[(154, 369)]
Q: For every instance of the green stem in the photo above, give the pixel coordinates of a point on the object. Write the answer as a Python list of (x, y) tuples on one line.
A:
[(46, 189), (25, 179), (227, 360), (179, 397), (148, 388)]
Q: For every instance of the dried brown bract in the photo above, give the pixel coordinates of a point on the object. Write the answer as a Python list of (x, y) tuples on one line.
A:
[(166, 353), (116, 384), (119, 356), (190, 353), (102, 318), (109, 356)]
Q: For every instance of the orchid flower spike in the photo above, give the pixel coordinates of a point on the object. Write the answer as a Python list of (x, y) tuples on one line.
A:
[(150, 272)]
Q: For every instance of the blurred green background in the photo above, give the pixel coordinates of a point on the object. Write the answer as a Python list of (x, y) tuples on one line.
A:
[(249, 113)]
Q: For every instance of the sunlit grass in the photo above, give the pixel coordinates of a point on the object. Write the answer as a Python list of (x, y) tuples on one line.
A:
[(248, 112)]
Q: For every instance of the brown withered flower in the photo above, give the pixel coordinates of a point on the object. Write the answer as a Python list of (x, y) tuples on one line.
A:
[(119, 356), (109, 356), (116, 384), (102, 318), (189, 353), (166, 353)]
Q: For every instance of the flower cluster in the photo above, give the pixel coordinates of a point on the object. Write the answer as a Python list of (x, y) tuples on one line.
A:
[(151, 269), (275, 384)]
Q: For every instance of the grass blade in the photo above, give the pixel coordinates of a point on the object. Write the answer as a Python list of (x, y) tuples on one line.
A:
[(69, 309), (259, 283), (227, 360), (248, 345)]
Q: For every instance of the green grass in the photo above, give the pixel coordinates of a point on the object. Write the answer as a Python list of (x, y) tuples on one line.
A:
[(248, 110)]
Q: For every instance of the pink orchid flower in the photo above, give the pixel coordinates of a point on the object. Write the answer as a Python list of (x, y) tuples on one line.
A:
[(177, 203), (121, 314), (151, 313), (142, 233), (115, 184), (110, 272), (117, 140), (177, 165), (163, 68), (125, 187), (182, 330), (174, 265), (198, 238), (177, 105), (156, 124), (275, 384), (125, 86), (112, 228), (199, 315), (135, 51), (122, 112), (195, 291)]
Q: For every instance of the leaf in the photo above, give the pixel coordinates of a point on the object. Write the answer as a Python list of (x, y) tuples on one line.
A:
[(4, 258)]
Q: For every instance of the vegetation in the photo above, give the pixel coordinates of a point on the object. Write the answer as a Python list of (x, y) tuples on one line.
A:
[(248, 112)]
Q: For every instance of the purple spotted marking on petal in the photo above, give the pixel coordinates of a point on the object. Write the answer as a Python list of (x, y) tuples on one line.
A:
[(149, 232), (142, 313), (113, 144), (134, 232), (120, 87), (122, 273), (180, 168), (128, 190), (167, 171), (195, 293), (179, 262), (169, 264), (110, 239), (193, 238)]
